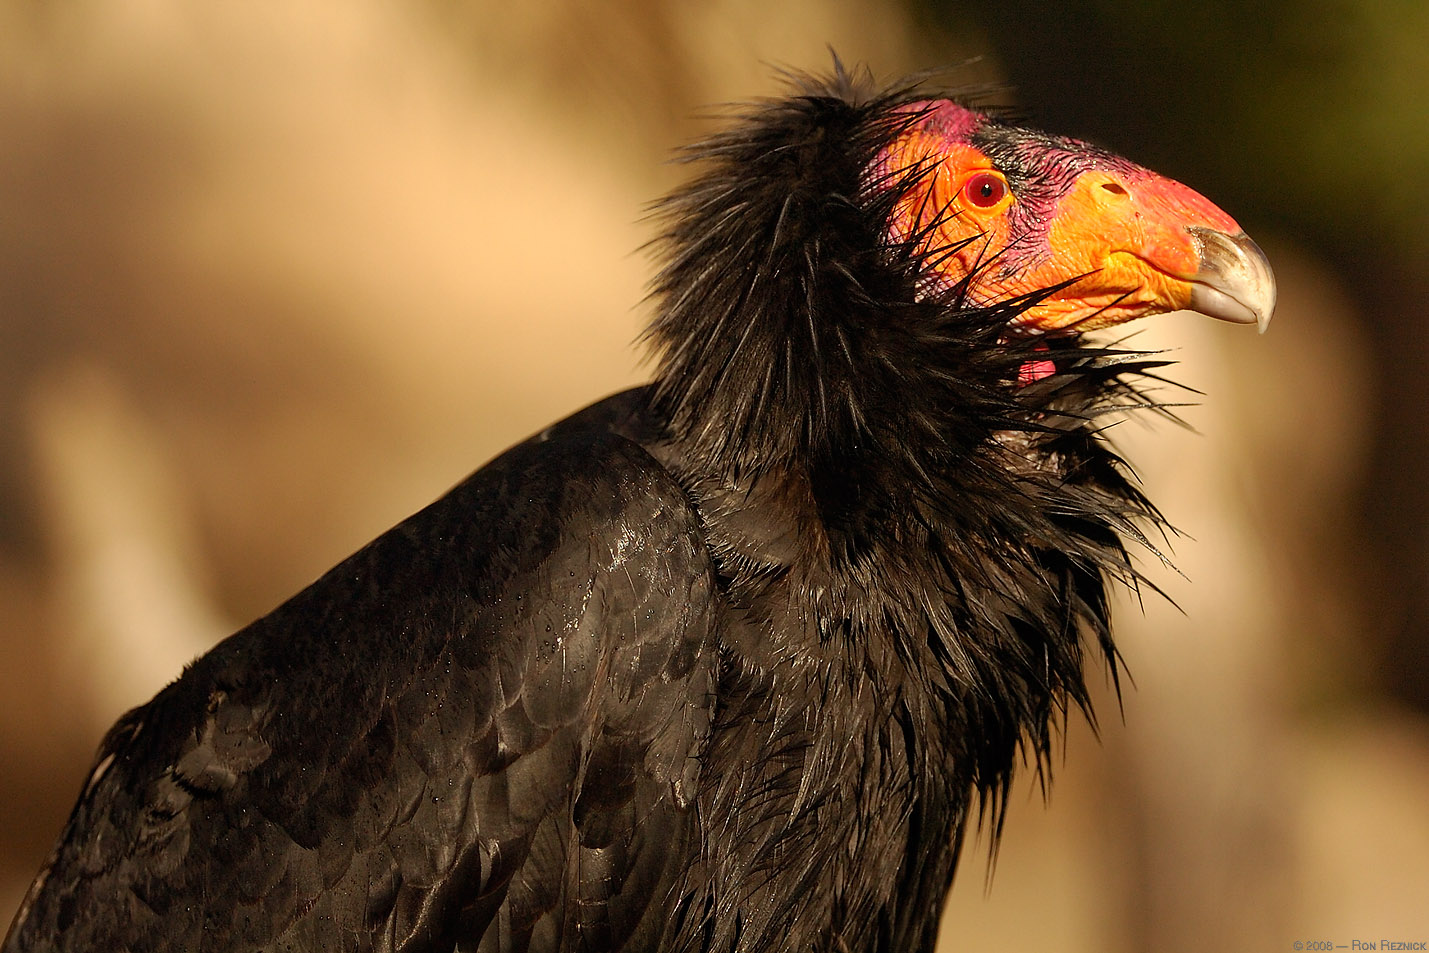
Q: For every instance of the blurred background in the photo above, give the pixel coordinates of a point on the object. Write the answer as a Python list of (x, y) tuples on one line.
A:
[(274, 275)]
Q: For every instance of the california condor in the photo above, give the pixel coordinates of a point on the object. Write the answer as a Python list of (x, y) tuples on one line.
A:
[(723, 663)]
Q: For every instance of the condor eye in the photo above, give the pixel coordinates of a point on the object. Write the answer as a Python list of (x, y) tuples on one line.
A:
[(984, 190)]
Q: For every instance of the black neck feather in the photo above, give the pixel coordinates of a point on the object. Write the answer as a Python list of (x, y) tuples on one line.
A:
[(794, 336), (973, 519)]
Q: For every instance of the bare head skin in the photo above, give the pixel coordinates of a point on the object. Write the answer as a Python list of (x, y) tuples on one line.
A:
[(1004, 211)]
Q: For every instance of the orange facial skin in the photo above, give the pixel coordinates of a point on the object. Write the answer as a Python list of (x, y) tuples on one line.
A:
[(1111, 240)]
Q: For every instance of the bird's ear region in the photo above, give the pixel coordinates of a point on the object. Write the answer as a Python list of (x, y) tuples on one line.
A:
[(1095, 240)]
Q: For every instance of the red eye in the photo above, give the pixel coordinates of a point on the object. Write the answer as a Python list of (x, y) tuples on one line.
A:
[(984, 190)]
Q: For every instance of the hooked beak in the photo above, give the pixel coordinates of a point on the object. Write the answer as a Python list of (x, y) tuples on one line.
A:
[(1139, 244), (1234, 282)]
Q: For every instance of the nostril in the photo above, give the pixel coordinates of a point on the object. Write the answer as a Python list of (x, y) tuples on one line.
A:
[(1113, 188)]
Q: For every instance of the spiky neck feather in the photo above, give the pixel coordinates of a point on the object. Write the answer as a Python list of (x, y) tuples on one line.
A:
[(796, 334), (787, 317), (863, 454), (802, 347)]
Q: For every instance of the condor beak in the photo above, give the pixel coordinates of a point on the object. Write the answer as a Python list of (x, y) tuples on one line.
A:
[(1234, 282), (1127, 243)]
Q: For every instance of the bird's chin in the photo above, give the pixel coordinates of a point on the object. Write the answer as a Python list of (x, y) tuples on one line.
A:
[(1106, 306), (1068, 320)]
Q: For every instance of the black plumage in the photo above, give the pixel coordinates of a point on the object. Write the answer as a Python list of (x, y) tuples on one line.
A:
[(724, 663)]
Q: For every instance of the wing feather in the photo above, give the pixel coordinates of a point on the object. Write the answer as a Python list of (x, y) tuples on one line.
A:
[(478, 726)]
